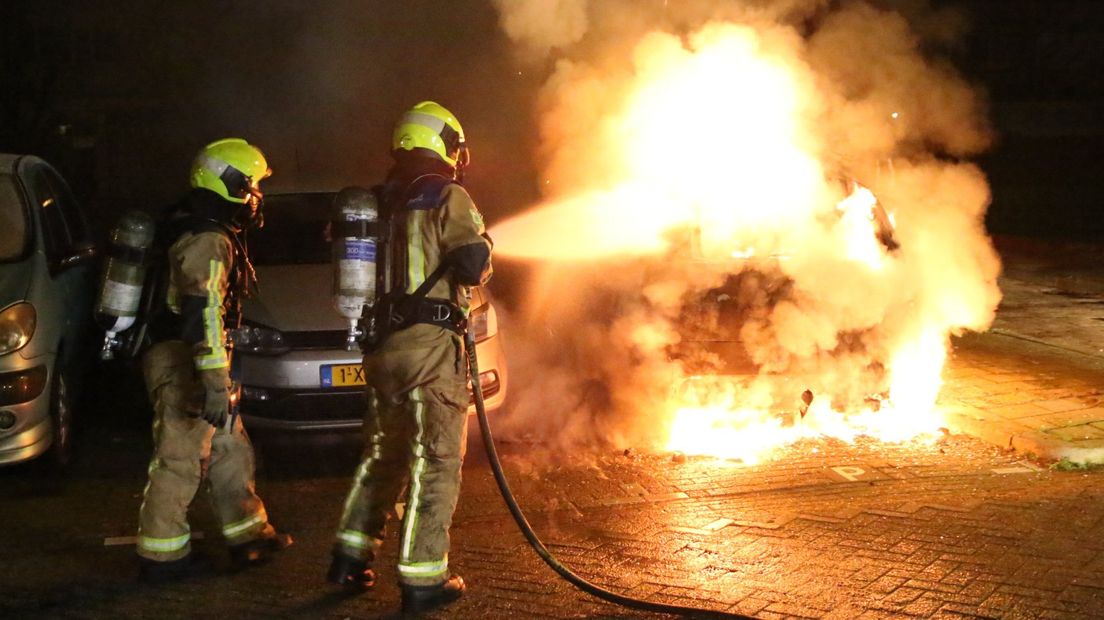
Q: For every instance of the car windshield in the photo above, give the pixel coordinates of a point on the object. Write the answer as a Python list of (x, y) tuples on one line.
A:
[(294, 232), (13, 220)]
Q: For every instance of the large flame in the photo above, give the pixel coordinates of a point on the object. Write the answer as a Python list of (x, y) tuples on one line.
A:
[(712, 158), (709, 136)]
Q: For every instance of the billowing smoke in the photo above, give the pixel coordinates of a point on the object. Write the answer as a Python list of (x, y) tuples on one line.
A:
[(779, 190)]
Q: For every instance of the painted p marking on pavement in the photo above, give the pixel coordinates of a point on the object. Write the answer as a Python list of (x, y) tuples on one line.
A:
[(849, 472), (855, 473)]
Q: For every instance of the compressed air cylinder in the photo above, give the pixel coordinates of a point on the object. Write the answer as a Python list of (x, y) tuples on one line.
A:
[(356, 217), (123, 275)]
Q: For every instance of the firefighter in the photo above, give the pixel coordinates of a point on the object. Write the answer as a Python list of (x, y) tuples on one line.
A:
[(417, 398), (204, 274)]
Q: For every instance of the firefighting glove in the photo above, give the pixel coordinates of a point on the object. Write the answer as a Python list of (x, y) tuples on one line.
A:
[(216, 396)]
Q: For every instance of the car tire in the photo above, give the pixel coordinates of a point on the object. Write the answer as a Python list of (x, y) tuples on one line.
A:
[(61, 417)]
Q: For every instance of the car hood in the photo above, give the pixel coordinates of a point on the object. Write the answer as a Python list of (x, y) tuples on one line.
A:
[(15, 282), (294, 298)]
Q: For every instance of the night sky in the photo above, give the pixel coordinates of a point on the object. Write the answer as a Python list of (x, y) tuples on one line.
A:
[(120, 96)]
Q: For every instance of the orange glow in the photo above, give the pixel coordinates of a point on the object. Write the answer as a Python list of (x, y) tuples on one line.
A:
[(710, 160)]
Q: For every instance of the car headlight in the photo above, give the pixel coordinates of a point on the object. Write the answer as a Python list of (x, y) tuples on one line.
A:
[(484, 322), (17, 325), (258, 340)]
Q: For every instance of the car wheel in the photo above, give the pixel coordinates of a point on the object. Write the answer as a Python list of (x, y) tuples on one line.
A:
[(61, 414)]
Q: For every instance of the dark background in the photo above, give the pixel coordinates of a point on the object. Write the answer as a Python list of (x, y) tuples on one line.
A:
[(120, 96)]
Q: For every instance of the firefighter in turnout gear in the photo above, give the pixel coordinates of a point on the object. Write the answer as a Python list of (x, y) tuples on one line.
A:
[(195, 293), (417, 396)]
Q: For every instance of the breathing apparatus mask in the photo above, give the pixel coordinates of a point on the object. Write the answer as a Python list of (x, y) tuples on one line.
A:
[(248, 190), (463, 158)]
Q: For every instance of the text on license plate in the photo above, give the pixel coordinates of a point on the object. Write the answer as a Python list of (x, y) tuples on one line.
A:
[(342, 375)]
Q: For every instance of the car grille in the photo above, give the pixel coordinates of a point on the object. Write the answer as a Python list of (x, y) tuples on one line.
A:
[(297, 405), (315, 340)]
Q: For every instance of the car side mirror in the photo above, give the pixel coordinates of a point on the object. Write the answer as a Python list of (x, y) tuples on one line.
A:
[(82, 253)]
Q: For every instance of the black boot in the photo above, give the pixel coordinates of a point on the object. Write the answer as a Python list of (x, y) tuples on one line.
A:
[(420, 599), (258, 551), (351, 573), (154, 572)]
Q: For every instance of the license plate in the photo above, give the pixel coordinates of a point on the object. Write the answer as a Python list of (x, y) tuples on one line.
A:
[(342, 375)]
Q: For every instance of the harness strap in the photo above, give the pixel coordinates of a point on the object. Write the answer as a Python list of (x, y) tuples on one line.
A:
[(439, 312), (407, 310), (399, 310)]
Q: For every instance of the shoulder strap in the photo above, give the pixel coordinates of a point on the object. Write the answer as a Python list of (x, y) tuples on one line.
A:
[(423, 193), (430, 281)]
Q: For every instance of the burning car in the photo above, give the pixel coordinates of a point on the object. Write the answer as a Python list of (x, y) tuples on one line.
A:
[(729, 136), (295, 371), (711, 320)]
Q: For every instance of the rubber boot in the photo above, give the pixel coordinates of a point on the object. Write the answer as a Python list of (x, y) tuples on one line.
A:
[(258, 551), (191, 565), (420, 599), (351, 573)]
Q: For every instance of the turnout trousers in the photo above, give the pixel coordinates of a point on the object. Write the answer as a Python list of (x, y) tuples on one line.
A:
[(415, 431), (187, 453)]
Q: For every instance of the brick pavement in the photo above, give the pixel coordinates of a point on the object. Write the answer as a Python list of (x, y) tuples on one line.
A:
[(939, 529), (951, 528), (1035, 382)]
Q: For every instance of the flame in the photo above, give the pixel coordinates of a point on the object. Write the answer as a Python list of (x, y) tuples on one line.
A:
[(686, 149), (712, 149), (857, 223)]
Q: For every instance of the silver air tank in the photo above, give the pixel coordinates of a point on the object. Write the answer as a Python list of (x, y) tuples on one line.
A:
[(124, 272), (356, 218)]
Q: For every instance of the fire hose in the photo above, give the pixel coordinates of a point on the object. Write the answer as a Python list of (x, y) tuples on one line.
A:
[(531, 536)]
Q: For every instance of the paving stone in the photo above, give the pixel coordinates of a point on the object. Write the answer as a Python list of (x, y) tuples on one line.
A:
[(1017, 411), (1062, 405), (970, 611), (1011, 400), (1081, 432)]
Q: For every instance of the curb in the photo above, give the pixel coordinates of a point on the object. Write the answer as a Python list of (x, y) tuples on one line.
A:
[(1010, 436)]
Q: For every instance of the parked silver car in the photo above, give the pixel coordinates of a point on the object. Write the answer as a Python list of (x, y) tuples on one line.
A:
[(47, 284), (295, 372)]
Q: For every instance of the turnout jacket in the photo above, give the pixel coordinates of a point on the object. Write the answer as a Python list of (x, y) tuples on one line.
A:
[(208, 271), (435, 220), (199, 264)]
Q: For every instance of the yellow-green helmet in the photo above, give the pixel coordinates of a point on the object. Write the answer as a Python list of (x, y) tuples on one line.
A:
[(232, 168), (430, 127)]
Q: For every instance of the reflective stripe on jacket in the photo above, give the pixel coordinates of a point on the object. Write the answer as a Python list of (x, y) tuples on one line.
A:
[(198, 289), (449, 225)]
